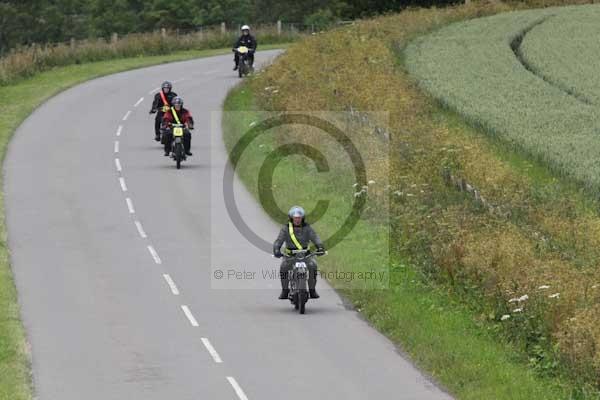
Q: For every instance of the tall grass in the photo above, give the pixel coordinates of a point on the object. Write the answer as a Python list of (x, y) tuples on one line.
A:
[(27, 61), (529, 276)]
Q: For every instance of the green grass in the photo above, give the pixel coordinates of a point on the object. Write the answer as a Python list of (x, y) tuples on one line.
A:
[(440, 335), (493, 90), (17, 102)]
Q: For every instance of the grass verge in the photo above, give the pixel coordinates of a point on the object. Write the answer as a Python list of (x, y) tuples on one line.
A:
[(17, 102), (436, 330)]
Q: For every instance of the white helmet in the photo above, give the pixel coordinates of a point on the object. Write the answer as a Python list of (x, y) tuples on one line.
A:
[(245, 28)]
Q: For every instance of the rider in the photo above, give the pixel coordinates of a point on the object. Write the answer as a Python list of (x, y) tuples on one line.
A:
[(178, 115), (297, 235), (245, 40), (161, 99)]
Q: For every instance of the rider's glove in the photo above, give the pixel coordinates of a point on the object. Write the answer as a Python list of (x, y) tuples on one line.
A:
[(153, 111), (320, 250), (278, 254)]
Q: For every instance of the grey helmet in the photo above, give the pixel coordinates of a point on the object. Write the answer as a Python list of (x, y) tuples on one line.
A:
[(177, 101), (296, 211)]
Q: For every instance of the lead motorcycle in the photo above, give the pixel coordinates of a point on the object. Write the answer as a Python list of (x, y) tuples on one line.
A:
[(298, 278), (244, 66)]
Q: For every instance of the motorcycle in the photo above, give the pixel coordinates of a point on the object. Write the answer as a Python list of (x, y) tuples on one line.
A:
[(298, 281), (244, 66), (177, 147)]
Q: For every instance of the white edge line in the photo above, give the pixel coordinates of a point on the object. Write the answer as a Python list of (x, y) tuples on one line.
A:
[(139, 102), (189, 315), (211, 350), (171, 284), (119, 130), (126, 115), (116, 146), (238, 390), (154, 254), (130, 206), (140, 229), (123, 185), (118, 165)]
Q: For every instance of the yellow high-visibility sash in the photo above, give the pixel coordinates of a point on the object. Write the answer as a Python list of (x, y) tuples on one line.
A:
[(174, 112), (294, 240)]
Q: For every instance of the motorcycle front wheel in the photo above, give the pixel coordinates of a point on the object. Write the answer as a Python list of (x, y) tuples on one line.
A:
[(302, 299)]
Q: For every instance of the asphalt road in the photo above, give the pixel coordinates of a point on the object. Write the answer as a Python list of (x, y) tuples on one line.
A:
[(114, 252)]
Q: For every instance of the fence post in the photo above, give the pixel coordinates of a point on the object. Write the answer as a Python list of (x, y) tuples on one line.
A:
[(223, 28), (279, 27), (163, 33), (115, 38), (72, 44), (201, 33)]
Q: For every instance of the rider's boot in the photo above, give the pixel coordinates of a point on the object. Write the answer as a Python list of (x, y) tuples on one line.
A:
[(313, 294), (285, 293), (235, 67), (157, 137)]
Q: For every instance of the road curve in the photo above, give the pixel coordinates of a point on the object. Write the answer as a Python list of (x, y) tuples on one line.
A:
[(112, 250)]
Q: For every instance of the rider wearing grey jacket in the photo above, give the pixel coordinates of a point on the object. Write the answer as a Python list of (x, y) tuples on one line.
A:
[(297, 232)]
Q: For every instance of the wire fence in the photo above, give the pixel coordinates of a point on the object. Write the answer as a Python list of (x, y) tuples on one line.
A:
[(25, 61)]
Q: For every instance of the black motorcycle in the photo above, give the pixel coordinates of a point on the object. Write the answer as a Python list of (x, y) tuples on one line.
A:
[(298, 278), (244, 66)]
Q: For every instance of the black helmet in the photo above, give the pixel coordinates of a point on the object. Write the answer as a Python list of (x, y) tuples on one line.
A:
[(177, 101), (166, 85)]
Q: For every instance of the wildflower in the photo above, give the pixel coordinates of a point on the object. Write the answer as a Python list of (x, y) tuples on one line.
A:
[(594, 286), (517, 310), (253, 123), (523, 298), (409, 195), (371, 182), (355, 185), (544, 287), (504, 317), (554, 296), (513, 300), (358, 194), (398, 193)]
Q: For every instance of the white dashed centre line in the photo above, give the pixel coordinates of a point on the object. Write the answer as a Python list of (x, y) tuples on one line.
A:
[(154, 255), (116, 146), (140, 229), (189, 316), (119, 130), (127, 115), (118, 165), (171, 284), (123, 185), (130, 206), (211, 350), (238, 390), (139, 102)]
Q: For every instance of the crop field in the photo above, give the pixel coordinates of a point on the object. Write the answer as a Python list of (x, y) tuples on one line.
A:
[(529, 77)]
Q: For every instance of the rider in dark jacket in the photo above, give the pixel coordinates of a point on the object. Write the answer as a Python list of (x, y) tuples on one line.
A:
[(245, 40), (304, 234), (158, 106)]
